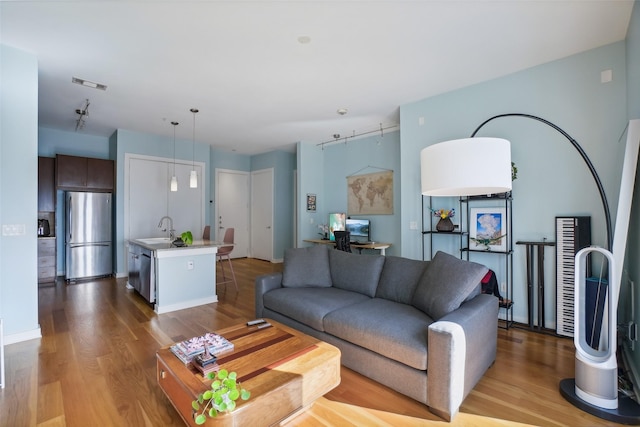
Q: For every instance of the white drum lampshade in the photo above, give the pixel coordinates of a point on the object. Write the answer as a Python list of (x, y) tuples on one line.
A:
[(466, 167)]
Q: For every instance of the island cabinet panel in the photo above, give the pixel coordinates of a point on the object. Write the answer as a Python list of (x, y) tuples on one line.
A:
[(46, 184), (84, 174)]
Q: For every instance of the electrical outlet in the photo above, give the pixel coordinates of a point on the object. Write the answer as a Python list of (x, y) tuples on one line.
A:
[(189, 265), (13, 229), (413, 225)]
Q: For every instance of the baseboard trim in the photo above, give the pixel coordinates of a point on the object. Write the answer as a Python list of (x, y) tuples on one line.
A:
[(186, 304), (23, 336)]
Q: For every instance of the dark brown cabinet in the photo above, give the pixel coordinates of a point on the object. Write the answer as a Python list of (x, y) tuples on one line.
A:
[(84, 174), (46, 184)]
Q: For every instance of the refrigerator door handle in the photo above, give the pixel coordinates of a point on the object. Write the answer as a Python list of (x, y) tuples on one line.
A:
[(69, 210)]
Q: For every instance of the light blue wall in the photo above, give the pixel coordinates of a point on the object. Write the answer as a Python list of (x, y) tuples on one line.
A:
[(19, 193), (310, 180), (552, 178), (362, 156), (53, 141), (283, 165)]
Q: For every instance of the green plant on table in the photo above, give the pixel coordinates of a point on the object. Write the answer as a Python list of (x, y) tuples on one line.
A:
[(187, 238), (225, 390)]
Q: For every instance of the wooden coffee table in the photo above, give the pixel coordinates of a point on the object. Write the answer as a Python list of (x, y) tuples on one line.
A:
[(284, 369)]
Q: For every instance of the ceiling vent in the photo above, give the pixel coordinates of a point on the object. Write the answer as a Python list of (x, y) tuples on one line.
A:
[(88, 83)]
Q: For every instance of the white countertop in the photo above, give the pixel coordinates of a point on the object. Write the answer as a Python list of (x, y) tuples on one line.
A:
[(165, 249)]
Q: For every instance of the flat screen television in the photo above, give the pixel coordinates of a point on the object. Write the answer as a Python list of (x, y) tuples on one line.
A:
[(337, 222), (360, 229)]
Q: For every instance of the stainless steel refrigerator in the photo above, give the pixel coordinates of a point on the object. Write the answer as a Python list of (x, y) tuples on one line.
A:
[(88, 235)]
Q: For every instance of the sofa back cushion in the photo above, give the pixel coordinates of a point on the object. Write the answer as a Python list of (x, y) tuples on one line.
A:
[(446, 283), (306, 267), (399, 278), (354, 272)]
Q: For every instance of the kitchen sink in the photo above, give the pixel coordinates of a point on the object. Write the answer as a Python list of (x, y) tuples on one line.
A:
[(154, 240)]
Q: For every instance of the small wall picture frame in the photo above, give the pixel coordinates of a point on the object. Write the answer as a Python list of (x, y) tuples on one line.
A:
[(311, 202), (488, 229)]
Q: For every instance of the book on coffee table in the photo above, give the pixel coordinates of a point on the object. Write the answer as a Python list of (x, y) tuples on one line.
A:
[(204, 370), (188, 349)]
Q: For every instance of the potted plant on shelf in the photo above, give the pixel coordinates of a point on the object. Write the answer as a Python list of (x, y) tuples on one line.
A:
[(445, 215)]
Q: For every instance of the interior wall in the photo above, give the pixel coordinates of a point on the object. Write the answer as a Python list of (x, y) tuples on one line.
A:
[(552, 180), (18, 194), (310, 166), (372, 154), (283, 164)]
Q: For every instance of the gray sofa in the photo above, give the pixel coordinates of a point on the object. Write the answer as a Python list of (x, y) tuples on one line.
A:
[(421, 328)]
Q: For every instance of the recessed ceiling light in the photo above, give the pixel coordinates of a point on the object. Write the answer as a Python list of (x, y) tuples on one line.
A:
[(304, 39), (342, 111), (88, 83)]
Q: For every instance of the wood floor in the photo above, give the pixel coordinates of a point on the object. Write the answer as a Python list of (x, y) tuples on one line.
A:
[(95, 366)]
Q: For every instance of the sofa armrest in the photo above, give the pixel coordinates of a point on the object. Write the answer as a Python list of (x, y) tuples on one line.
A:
[(263, 285), (462, 346)]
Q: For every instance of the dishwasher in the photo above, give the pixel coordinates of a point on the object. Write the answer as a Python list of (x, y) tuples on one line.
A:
[(147, 288), (140, 272)]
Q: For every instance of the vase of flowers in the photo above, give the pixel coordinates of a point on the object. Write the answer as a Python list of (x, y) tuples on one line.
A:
[(444, 224), (324, 231)]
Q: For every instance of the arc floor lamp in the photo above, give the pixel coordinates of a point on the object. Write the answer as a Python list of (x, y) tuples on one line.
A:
[(594, 389)]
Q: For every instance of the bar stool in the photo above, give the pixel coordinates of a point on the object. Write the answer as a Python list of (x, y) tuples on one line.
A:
[(225, 251)]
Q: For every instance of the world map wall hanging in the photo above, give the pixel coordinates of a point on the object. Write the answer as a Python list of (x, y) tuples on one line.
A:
[(370, 194)]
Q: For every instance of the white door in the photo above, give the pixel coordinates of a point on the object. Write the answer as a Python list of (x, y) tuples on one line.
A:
[(232, 209), (262, 214), (148, 181)]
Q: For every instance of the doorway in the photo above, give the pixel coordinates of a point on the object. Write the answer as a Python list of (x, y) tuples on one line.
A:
[(262, 214), (232, 209)]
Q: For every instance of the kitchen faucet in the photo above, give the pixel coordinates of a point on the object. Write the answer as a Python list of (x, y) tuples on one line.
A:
[(172, 232)]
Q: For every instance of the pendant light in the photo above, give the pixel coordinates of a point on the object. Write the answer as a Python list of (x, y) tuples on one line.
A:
[(193, 177), (174, 180)]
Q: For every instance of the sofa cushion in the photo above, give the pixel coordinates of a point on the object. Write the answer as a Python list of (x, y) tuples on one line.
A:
[(310, 305), (399, 278), (354, 272), (446, 283), (305, 267), (394, 330)]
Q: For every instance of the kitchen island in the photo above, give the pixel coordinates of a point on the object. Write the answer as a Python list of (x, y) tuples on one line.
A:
[(173, 278)]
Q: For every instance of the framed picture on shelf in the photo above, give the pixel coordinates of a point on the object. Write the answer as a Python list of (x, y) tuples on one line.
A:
[(488, 229)]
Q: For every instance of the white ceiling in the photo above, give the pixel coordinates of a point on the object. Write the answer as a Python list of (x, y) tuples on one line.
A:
[(257, 87)]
